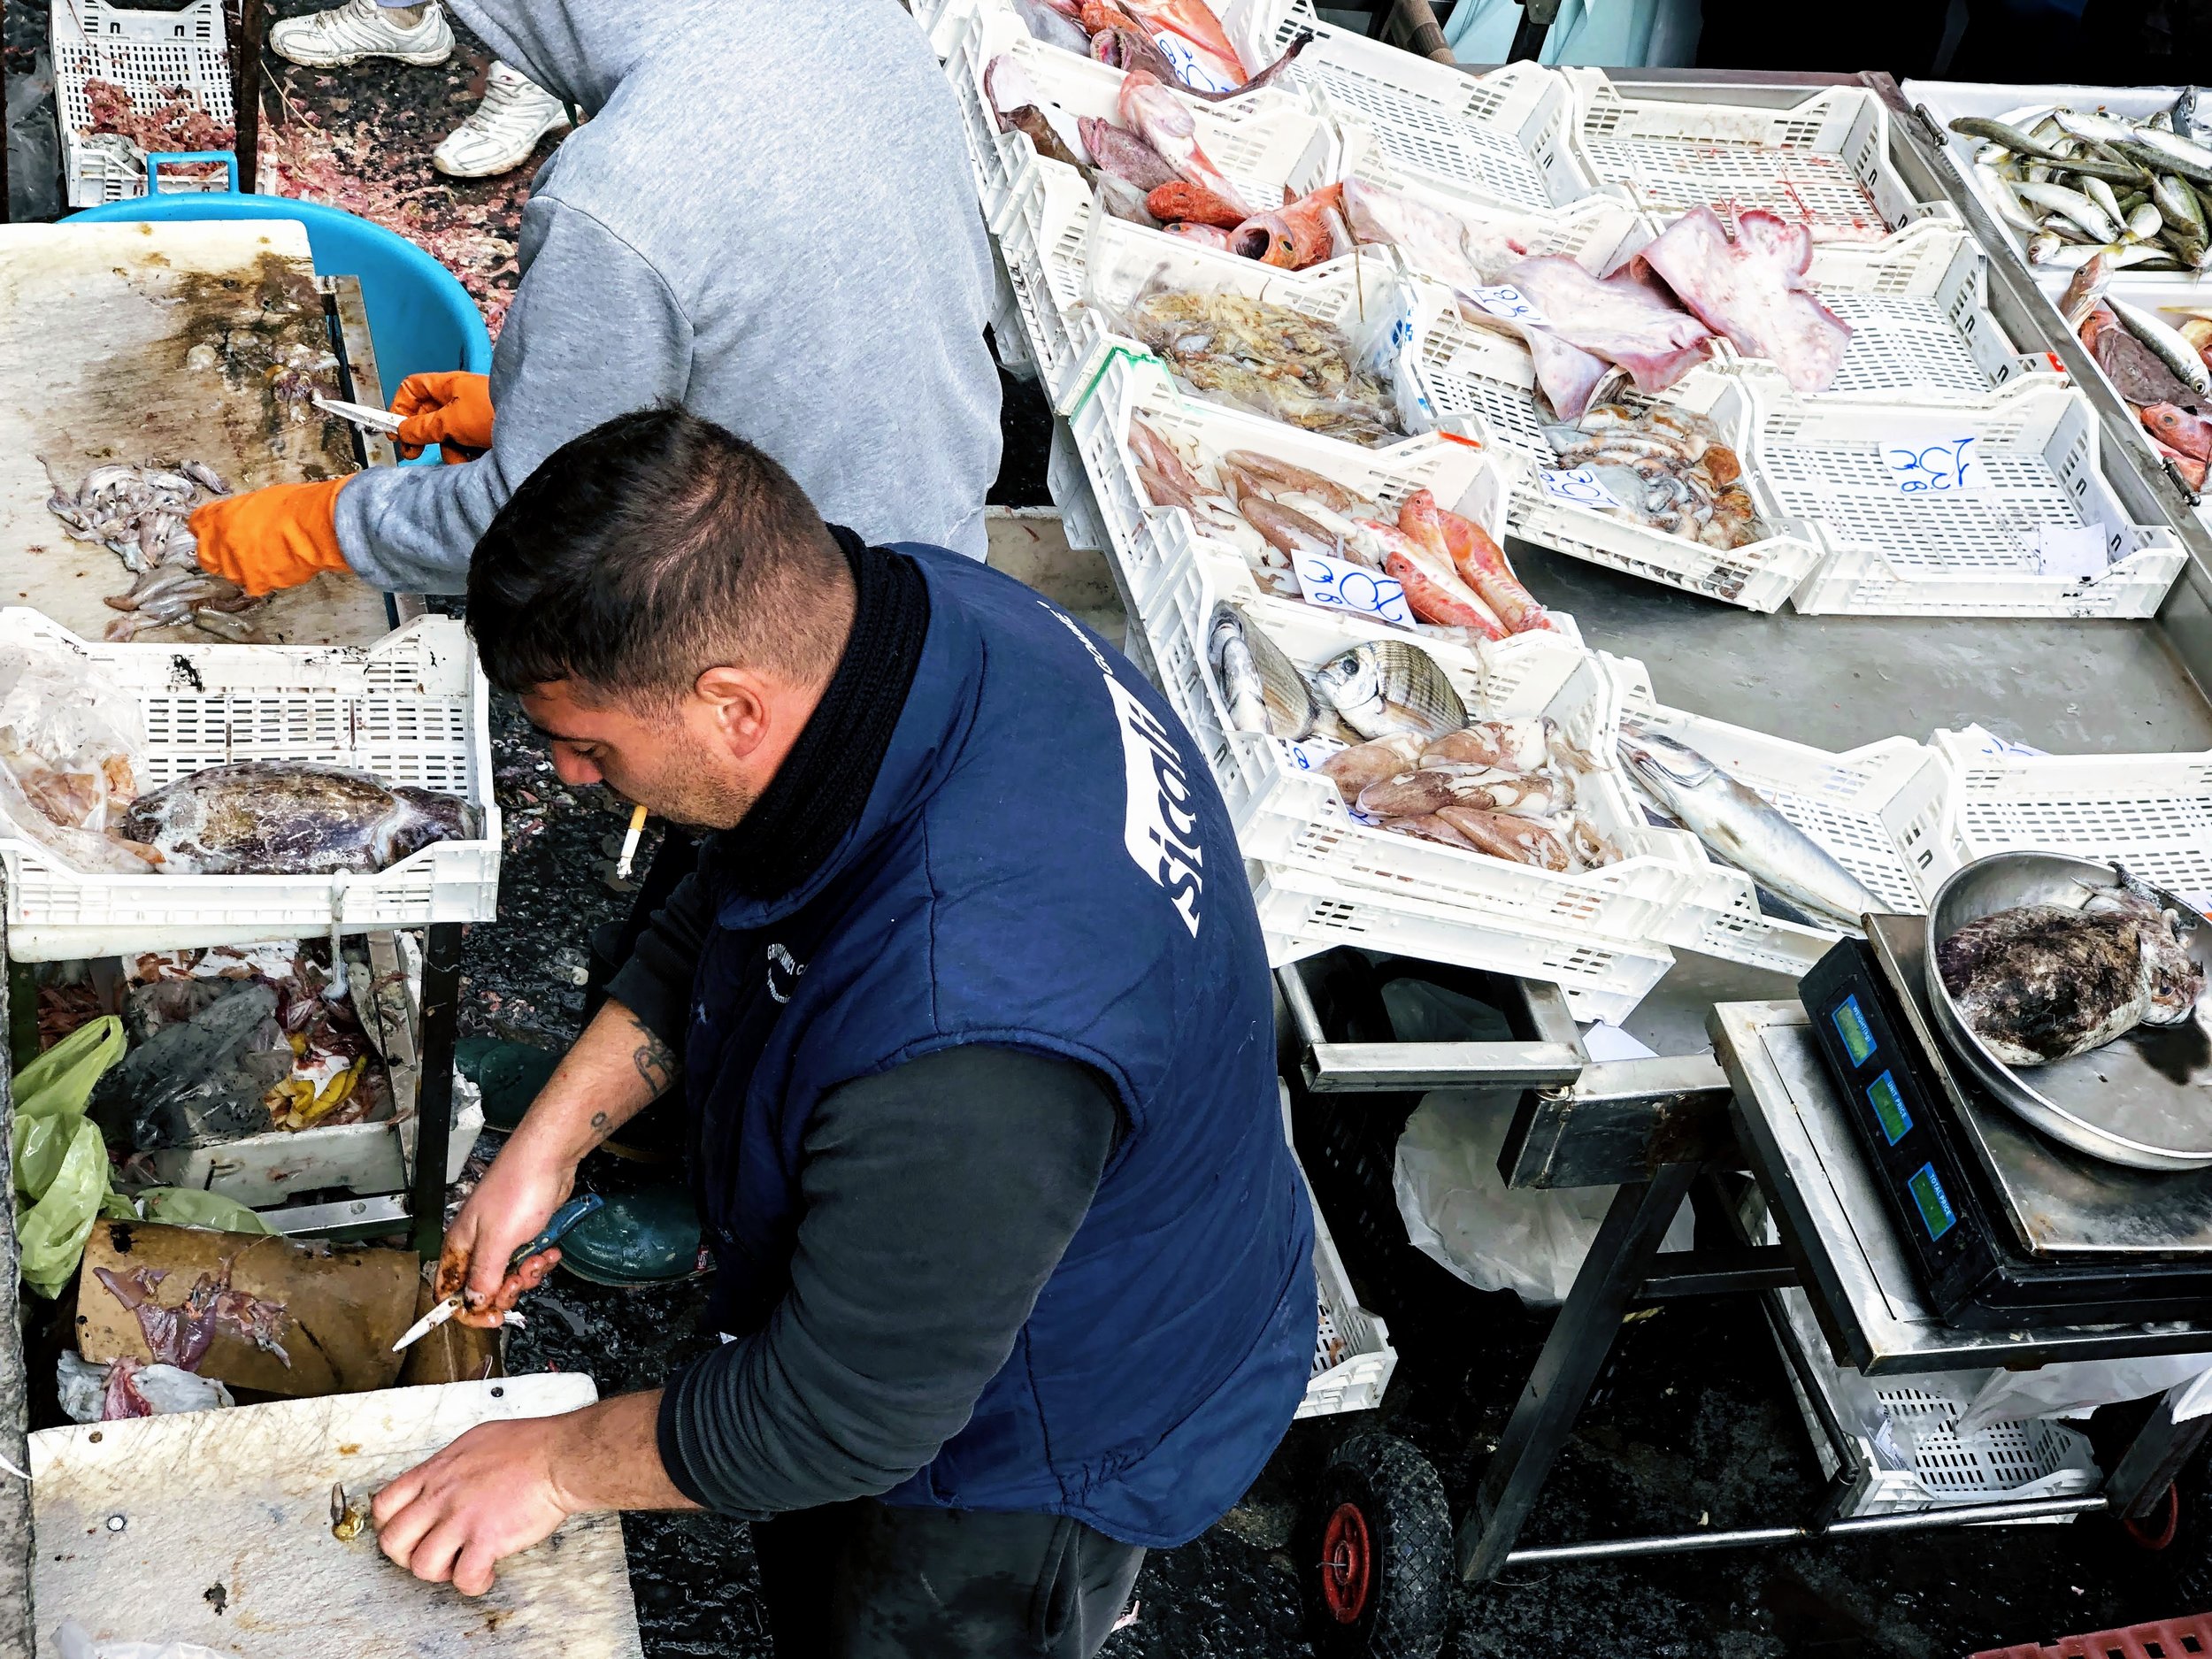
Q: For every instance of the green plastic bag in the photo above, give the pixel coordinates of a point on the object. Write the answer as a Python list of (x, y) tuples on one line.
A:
[(188, 1207), (61, 1163), (61, 1080)]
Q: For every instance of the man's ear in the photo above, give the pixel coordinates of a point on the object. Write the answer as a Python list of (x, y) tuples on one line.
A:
[(737, 702)]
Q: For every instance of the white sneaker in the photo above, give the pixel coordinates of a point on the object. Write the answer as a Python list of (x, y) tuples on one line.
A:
[(361, 28), (504, 129)]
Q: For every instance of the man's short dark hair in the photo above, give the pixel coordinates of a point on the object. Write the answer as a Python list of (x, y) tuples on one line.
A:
[(655, 547)]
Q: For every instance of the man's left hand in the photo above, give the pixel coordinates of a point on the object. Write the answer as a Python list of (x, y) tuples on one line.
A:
[(488, 1495)]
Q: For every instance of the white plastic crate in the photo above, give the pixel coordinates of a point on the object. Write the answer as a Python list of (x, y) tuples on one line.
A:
[(1905, 1451), (1501, 137), (1461, 367), (1921, 327), (1043, 224), (1466, 476), (1081, 522), (1471, 909), (2171, 298), (264, 1169), (1880, 810), (410, 709), (1947, 100), (146, 53), (1257, 141), (1369, 300), (2152, 812), (1824, 161), (1961, 552), (1352, 1357)]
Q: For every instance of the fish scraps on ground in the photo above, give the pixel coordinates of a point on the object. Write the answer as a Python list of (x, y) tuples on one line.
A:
[(1737, 824), (2161, 369), (2077, 184), (142, 515), (1456, 579), (2040, 983), (1664, 468), (1268, 358)]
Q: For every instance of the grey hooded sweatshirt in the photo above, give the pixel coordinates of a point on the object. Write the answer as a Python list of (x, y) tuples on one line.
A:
[(768, 218)]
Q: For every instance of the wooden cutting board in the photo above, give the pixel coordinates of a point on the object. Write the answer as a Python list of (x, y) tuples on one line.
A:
[(335, 1309), (146, 342), (224, 1536)]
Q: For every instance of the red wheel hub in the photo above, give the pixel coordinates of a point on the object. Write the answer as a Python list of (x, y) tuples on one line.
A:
[(2156, 1533), (1347, 1564)]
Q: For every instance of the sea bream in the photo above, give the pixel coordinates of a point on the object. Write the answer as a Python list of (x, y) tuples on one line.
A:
[(1735, 822), (2040, 982)]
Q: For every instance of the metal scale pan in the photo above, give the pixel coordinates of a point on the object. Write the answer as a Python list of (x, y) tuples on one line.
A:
[(2145, 1100)]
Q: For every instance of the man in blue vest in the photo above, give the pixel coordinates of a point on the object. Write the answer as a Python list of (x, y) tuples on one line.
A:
[(970, 1009)]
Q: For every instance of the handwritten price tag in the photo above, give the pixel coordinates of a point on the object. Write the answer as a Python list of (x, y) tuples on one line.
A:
[(1308, 753), (1510, 304), (1577, 487), (1340, 585), (1947, 466), (1189, 67)]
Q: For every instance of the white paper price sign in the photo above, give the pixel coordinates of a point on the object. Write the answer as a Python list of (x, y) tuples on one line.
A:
[(1308, 753), (1577, 486), (1340, 585), (1943, 466), (1508, 303), (2076, 550)]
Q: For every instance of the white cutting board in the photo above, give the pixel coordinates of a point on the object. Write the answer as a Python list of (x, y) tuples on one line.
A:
[(96, 325), (240, 1499)]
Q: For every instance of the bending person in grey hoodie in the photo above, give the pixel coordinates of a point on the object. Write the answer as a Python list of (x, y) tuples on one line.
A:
[(768, 219)]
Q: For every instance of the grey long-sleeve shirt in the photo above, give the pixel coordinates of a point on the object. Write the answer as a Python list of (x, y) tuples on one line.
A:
[(768, 219), (939, 1197)]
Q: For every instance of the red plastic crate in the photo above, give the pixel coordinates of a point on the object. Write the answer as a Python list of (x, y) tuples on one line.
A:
[(2164, 1639)]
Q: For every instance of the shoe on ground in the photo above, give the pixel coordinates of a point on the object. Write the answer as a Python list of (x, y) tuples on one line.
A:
[(361, 28), (504, 129), (649, 1236), (508, 1075)]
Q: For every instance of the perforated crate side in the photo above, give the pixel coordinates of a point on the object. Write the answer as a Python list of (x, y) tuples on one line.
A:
[(1080, 521), (1824, 162), (2151, 812), (199, 22), (1499, 137), (2186, 1638), (147, 69), (1353, 1360)]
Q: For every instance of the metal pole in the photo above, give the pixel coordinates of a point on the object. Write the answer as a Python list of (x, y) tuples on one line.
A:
[(1751, 1537), (1418, 23), (253, 25), (16, 1615), (434, 1086), (1620, 1259)]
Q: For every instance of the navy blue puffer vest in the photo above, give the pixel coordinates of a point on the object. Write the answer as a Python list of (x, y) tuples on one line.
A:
[(1043, 863)]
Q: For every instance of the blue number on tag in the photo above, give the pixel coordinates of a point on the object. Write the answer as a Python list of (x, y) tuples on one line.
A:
[(1944, 468)]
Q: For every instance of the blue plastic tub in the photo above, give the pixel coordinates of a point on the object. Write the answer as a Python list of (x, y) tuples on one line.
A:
[(420, 317)]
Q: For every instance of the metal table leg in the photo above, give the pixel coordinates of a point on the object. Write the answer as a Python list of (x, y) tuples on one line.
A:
[(2153, 1457), (1620, 1260), (434, 1089)]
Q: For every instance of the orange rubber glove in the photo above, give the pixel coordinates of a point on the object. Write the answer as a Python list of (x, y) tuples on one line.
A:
[(451, 409), (272, 538)]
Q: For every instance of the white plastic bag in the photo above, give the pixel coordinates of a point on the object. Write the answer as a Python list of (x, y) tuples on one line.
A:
[(71, 754), (74, 1641), (83, 1388), (1458, 1209), (2076, 1385)]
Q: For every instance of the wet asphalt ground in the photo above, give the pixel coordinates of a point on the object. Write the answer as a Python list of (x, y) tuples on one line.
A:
[(1691, 1426)]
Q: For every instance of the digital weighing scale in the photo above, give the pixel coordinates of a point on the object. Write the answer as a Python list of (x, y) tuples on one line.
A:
[(2005, 1227)]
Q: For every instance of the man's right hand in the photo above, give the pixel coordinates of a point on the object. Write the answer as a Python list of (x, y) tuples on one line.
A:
[(510, 1207)]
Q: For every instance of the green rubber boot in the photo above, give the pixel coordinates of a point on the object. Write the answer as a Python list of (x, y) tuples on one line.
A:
[(508, 1075), (649, 1236)]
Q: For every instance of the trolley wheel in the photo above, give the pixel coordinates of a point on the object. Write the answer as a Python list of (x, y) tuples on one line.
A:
[(1379, 1553)]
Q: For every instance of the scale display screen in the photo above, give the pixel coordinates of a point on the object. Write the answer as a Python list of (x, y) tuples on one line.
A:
[(1889, 1107), (1858, 1036), (1930, 1200)]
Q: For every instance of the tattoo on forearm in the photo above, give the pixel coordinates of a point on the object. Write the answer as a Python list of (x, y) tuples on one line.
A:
[(656, 1063), (602, 1126)]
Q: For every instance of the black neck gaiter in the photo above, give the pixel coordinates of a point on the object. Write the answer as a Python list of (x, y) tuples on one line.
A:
[(818, 792)]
